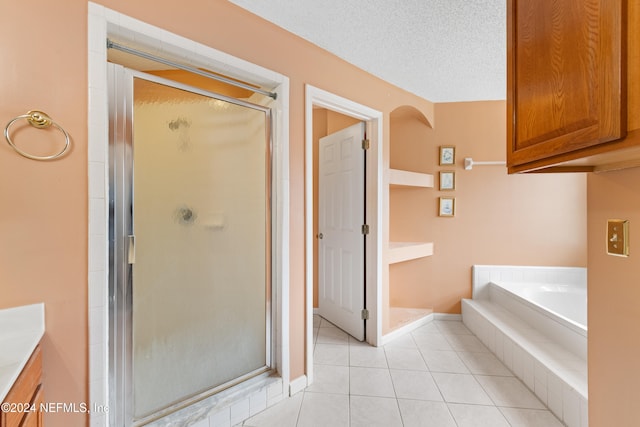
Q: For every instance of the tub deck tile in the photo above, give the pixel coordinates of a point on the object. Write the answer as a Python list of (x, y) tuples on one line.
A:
[(550, 370)]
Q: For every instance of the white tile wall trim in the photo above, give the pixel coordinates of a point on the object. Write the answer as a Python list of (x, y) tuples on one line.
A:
[(103, 23), (233, 405), (403, 330), (447, 316), (550, 359), (482, 275)]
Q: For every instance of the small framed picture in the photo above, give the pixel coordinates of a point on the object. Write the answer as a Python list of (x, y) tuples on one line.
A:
[(447, 180), (447, 206), (447, 155)]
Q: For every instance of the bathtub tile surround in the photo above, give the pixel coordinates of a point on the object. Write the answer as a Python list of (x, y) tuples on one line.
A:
[(482, 275), (408, 383), (547, 354)]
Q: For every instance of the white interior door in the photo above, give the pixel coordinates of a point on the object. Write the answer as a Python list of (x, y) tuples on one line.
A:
[(340, 219)]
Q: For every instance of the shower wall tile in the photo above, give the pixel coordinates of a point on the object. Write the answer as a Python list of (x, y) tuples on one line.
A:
[(97, 182), (274, 393), (97, 332), (97, 216), (97, 24), (240, 411), (97, 253), (97, 289), (98, 225), (99, 419), (201, 423), (98, 124), (97, 389), (98, 355), (112, 17), (258, 402), (176, 47), (98, 68), (221, 418)]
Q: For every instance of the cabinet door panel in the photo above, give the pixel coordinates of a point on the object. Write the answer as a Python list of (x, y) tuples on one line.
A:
[(33, 418), (23, 389), (565, 78)]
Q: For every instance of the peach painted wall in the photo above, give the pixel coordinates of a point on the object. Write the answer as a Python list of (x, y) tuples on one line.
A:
[(614, 302), (43, 206), (43, 221), (535, 219), (411, 210)]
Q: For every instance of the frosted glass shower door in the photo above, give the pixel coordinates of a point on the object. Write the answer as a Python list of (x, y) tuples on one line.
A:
[(200, 217)]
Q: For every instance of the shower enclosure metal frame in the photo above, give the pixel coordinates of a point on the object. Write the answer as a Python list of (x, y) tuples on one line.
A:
[(120, 83)]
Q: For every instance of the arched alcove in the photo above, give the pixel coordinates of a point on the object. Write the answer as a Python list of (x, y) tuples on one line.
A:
[(412, 160)]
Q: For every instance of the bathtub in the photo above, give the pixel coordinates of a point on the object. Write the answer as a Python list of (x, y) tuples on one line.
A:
[(566, 302), (534, 319), (557, 311)]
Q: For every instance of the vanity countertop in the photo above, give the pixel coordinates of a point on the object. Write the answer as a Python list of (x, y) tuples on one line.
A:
[(21, 329)]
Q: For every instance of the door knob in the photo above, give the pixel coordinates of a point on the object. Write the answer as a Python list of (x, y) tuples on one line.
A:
[(320, 236)]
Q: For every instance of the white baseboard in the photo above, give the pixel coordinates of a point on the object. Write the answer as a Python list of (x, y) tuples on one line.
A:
[(297, 385), (406, 329), (447, 316)]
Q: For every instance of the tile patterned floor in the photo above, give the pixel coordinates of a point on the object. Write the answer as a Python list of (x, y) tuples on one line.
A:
[(439, 375)]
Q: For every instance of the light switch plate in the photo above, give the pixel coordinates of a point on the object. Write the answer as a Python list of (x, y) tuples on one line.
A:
[(618, 237)]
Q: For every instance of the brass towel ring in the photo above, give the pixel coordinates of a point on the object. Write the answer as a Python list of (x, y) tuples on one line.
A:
[(39, 120)]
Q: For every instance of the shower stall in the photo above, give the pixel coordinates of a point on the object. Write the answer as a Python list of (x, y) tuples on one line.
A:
[(190, 244)]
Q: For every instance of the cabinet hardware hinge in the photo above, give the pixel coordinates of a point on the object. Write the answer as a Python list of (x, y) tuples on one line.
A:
[(364, 314), (366, 144), (365, 229)]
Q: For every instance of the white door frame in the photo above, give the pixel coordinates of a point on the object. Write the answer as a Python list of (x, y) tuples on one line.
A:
[(373, 274), (103, 23), (343, 235)]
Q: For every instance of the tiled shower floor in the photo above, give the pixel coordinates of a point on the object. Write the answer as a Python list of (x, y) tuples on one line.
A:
[(439, 375)]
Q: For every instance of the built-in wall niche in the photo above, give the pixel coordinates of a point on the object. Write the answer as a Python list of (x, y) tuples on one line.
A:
[(411, 202)]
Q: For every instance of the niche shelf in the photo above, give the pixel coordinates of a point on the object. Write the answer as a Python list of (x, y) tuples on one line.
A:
[(407, 251), (401, 178), (410, 183)]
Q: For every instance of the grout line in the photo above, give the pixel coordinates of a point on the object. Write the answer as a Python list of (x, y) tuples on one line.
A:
[(448, 336)]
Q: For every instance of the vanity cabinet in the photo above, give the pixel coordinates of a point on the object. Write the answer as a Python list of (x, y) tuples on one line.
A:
[(568, 102), (25, 396)]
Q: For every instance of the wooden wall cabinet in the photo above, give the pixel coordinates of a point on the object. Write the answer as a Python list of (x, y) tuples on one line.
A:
[(568, 101), (25, 396)]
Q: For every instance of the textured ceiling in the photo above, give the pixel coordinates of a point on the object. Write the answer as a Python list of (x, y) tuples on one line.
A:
[(441, 50)]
